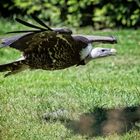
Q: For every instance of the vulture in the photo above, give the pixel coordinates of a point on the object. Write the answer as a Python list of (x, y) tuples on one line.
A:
[(48, 48)]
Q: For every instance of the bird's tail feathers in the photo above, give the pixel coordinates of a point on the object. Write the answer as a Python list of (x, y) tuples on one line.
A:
[(13, 67)]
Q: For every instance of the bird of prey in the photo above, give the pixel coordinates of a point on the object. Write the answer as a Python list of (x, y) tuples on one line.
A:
[(52, 49)]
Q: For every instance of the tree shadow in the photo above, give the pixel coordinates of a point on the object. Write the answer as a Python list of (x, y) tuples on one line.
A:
[(101, 121)]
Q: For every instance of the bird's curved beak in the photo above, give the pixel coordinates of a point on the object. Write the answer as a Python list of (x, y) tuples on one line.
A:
[(113, 51)]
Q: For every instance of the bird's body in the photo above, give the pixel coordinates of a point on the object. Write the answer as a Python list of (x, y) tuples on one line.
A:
[(49, 50)]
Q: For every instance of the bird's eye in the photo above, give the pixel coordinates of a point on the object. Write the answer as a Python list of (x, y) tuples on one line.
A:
[(103, 50)]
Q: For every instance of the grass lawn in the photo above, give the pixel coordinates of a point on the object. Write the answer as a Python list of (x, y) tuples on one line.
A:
[(102, 98)]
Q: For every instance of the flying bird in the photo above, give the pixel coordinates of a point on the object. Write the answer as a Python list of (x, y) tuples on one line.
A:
[(52, 48)]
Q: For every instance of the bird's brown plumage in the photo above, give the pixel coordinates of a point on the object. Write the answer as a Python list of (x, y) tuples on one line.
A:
[(50, 50)]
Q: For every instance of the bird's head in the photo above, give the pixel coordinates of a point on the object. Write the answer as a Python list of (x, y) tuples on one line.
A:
[(102, 52)]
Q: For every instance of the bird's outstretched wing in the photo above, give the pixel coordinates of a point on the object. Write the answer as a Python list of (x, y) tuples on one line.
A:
[(38, 28), (99, 39), (40, 40)]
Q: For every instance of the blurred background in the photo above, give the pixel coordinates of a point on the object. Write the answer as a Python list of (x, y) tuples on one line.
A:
[(99, 14)]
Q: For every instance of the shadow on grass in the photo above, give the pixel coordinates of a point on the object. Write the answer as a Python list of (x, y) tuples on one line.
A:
[(102, 122)]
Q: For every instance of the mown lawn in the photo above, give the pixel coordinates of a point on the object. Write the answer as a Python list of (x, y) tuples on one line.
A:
[(102, 98)]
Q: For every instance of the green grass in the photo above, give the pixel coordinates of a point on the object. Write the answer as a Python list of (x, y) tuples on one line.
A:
[(108, 83)]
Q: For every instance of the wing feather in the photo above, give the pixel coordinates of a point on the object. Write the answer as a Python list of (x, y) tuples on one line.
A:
[(41, 22), (28, 24)]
